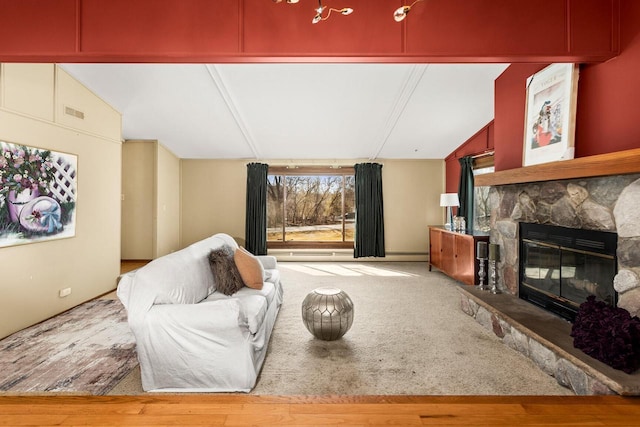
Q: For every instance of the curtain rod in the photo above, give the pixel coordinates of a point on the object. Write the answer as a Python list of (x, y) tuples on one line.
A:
[(305, 165), (333, 165), (485, 154)]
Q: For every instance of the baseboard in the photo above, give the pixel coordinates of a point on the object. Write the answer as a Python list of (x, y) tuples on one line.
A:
[(342, 255)]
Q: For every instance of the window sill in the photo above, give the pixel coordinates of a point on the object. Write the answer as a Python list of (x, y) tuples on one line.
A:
[(309, 245)]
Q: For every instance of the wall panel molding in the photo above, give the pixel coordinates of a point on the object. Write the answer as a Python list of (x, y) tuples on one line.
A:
[(245, 31)]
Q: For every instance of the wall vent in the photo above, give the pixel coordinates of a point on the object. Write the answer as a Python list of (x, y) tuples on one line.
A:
[(73, 112)]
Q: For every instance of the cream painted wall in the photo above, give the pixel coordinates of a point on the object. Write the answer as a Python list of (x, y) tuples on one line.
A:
[(28, 89), (138, 200), (167, 201), (151, 200), (89, 263), (411, 192), (214, 197)]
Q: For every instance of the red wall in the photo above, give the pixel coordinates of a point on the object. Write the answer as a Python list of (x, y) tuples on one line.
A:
[(517, 31), (261, 30), (479, 143), (509, 105), (607, 115)]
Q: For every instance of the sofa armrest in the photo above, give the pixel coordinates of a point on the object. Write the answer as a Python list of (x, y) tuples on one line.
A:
[(124, 286), (204, 317), (268, 262)]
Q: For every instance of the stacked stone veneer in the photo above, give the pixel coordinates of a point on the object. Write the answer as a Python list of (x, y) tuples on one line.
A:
[(609, 203), (568, 371)]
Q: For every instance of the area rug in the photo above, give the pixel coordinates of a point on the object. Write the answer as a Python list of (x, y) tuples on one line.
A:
[(86, 350), (409, 336)]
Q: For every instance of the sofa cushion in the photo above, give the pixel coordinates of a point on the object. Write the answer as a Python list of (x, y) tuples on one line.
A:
[(228, 240), (268, 291), (225, 273), (182, 277), (254, 303), (249, 267)]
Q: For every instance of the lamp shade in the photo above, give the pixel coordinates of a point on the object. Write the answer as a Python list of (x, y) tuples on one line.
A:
[(449, 199)]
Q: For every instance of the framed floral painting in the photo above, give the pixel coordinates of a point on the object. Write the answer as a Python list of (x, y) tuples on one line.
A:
[(37, 194), (550, 114)]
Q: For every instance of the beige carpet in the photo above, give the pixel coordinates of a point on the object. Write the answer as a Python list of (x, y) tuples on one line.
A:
[(409, 336)]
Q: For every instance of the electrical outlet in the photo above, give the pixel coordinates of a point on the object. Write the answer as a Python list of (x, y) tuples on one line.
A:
[(64, 292)]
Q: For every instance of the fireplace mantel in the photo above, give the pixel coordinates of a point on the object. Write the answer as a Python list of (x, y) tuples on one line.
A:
[(618, 163)]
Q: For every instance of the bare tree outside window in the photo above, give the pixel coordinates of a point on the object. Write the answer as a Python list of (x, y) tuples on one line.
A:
[(275, 201), (482, 208), (311, 208)]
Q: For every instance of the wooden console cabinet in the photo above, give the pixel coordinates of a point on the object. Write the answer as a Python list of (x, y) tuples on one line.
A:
[(454, 253)]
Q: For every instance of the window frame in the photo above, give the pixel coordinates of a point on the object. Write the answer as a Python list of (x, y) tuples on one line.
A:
[(312, 171), (481, 161)]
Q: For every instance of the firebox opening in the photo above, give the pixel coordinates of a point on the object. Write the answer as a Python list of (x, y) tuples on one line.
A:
[(560, 267)]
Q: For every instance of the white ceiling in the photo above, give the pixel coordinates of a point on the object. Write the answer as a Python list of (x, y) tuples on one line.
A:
[(298, 111)]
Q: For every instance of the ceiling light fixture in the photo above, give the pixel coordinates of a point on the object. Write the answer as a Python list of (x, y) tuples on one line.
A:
[(321, 9), (402, 11)]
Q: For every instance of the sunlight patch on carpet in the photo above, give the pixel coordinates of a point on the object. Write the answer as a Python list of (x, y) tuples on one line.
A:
[(303, 269), (376, 271), (343, 270), (336, 269)]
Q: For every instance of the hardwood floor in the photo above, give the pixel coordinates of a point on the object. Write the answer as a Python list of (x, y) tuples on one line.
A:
[(128, 265), (236, 410)]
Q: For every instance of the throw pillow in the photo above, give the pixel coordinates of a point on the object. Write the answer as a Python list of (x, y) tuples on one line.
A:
[(250, 268), (225, 274)]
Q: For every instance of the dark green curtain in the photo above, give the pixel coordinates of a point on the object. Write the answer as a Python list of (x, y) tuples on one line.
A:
[(256, 222), (465, 190), (369, 211)]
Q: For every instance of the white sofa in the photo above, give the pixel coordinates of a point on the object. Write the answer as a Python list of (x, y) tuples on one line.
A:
[(191, 338)]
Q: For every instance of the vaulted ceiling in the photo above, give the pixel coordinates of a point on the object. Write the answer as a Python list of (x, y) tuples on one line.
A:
[(298, 111)]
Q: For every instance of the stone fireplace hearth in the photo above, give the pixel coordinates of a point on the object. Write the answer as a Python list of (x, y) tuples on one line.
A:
[(544, 338), (609, 203)]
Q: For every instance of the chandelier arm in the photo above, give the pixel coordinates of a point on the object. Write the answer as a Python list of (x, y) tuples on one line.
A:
[(321, 9), (329, 13)]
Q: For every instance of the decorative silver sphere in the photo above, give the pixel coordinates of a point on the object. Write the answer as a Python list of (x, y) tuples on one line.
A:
[(327, 313)]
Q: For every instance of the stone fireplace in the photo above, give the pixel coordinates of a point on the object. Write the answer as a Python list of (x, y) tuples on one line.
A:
[(610, 204), (595, 194)]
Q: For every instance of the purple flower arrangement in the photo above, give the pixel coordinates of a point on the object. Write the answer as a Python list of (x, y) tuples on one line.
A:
[(608, 334), (23, 168)]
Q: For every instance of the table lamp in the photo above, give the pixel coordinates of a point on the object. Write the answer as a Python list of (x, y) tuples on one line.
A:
[(449, 200)]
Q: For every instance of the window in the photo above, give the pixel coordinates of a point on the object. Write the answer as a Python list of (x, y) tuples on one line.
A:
[(482, 208), (310, 207)]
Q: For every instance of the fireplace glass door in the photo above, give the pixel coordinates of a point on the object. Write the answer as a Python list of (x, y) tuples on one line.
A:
[(585, 274), (542, 268), (560, 268)]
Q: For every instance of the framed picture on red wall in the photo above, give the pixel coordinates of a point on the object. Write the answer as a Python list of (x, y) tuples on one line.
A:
[(550, 114)]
